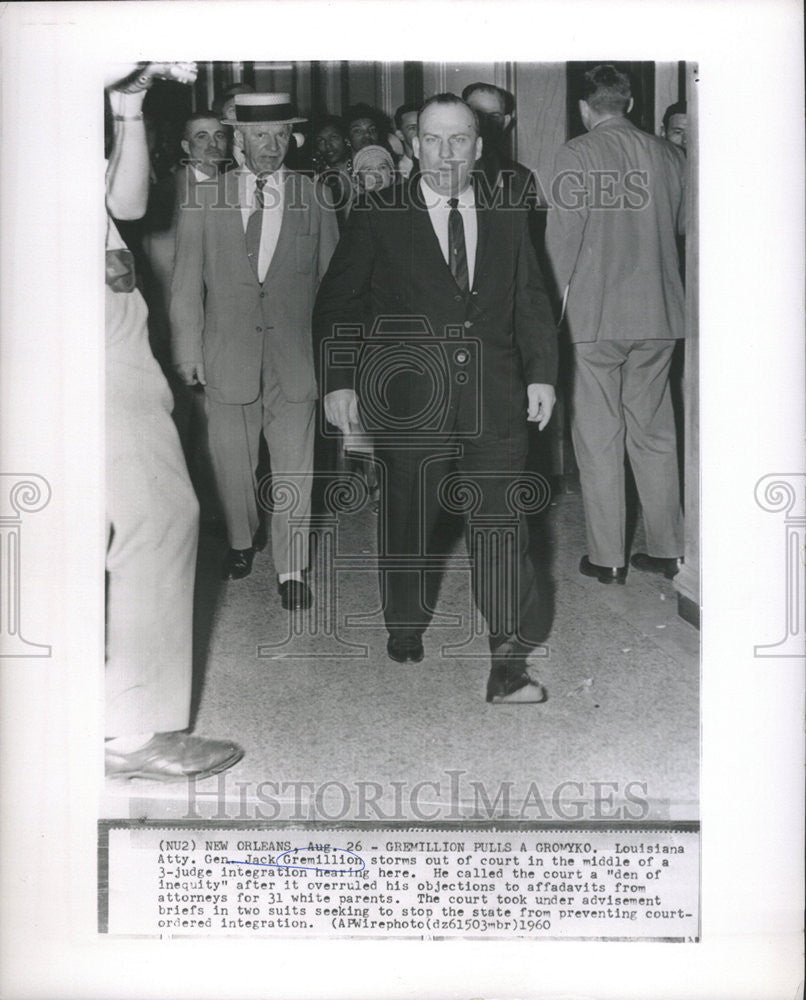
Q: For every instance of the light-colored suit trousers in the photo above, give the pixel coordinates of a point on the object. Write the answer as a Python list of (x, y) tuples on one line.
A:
[(621, 397), (152, 523), (234, 431)]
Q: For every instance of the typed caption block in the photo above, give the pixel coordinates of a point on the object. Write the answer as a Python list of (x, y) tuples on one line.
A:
[(557, 883)]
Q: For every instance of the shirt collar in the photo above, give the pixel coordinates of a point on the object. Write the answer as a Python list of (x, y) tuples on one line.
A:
[(273, 180), (432, 199)]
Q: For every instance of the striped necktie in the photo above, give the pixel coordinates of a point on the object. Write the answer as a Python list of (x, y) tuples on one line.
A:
[(254, 226), (457, 253)]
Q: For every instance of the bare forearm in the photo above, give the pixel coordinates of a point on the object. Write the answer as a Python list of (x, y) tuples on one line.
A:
[(127, 173)]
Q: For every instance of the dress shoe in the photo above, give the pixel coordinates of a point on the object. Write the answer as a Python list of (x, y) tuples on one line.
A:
[(173, 757), (511, 684), (295, 595), (653, 564), (237, 564), (604, 574), (405, 646)]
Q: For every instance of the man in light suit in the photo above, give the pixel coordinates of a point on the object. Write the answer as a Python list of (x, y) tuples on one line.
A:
[(432, 261), (618, 206), (249, 258)]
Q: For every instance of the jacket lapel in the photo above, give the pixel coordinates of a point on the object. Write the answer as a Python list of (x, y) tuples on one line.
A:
[(424, 235), (422, 231), (483, 234), (288, 226), (232, 221), (236, 235)]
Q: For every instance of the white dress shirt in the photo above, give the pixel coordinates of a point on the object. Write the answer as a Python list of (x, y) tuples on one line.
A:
[(273, 200), (439, 210)]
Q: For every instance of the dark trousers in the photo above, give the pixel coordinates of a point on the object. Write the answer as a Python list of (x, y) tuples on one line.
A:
[(477, 478)]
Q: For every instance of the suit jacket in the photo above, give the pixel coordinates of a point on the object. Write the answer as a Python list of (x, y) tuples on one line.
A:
[(487, 344), (518, 185), (222, 316), (618, 198)]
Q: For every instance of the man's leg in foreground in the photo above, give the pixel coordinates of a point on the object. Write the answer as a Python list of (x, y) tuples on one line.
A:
[(505, 585), (151, 562)]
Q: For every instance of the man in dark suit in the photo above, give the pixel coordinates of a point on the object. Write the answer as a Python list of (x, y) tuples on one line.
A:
[(249, 256), (454, 349), (619, 205), (517, 184)]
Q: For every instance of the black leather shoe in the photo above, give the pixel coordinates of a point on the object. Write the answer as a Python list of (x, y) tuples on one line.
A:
[(173, 757), (405, 646), (604, 574), (295, 595), (654, 564), (237, 564), (510, 683)]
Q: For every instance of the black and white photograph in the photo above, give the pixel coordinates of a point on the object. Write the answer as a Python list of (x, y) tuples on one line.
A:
[(451, 572), (398, 428), (448, 406)]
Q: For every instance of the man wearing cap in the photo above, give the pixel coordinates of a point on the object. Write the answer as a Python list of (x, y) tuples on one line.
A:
[(249, 258)]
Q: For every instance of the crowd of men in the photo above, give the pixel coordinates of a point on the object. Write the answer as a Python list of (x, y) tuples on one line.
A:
[(400, 232)]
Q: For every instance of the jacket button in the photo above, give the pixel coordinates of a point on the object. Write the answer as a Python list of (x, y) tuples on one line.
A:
[(259, 329), (263, 295), (457, 298), (474, 293)]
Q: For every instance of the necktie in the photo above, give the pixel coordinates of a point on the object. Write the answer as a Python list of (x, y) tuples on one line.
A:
[(254, 226), (457, 254)]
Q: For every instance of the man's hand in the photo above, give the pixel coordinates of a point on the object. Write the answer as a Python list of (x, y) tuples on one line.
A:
[(341, 410), (541, 403), (192, 373)]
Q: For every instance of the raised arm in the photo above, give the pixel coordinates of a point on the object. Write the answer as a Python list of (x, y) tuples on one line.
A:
[(127, 172)]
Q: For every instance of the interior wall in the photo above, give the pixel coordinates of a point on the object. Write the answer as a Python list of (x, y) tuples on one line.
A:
[(540, 90), (667, 90)]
